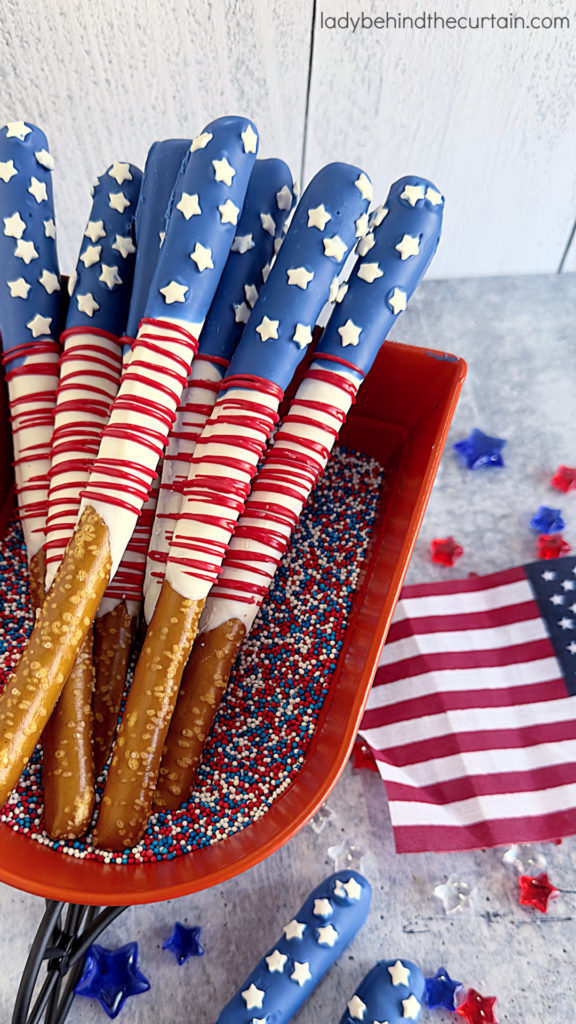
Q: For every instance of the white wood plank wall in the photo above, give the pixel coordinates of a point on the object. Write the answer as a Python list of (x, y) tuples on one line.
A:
[(489, 115)]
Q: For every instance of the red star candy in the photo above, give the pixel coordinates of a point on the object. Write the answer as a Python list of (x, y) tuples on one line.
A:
[(477, 1009), (564, 479), (552, 545), (362, 756), (445, 550), (535, 891)]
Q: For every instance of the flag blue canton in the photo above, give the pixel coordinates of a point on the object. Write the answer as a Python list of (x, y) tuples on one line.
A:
[(554, 586)]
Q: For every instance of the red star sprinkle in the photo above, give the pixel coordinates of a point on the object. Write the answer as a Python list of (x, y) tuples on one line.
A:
[(552, 545), (536, 890), (564, 479), (362, 756), (477, 1009), (445, 550)]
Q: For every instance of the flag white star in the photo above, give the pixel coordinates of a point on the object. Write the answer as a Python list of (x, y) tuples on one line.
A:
[(14, 226), (300, 277), (95, 230), (91, 255), (17, 130), (413, 193), (364, 186), (25, 251), (357, 1008), (120, 172), (318, 217), (557, 599), (369, 272), (229, 212), (302, 335), (19, 288), (202, 257), (294, 929), (349, 333), (242, 243), (268, 223), (174, 292), (201, 141), (251, 293), (410, 1008), (241, 313), (548, 575), (571, 647), (335, 248), (284, 198), (352, 889), (253, 997), (223, 171), (378, 216), (49, 281), (268, 328), (433, 196), (399, 973), (39, 325), (276, 961), (124, 245), (7, 170), (110, 276), (87, 304), (327, 936), (72, 280), (322, 908), (397, 301), (361, 225), (49, 228), (408, 246), (118, 201), (365, 244), (249, 138), (45, 159), (301, 972), (566, 623), (189, 205)]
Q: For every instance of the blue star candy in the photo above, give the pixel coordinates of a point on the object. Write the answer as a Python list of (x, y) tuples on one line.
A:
[(478, 449), (111, 976), (184, 942), (441, 990), (548, 520)]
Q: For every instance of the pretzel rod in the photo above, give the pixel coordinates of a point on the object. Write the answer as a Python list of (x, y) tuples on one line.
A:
[(135, 437), (223, 465), (293, 464), (393, 991)]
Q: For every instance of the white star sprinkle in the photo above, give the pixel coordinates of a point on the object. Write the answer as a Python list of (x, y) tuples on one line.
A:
[(265, 273), (369, 272), (124, 245), (39, 325), (327, 936), (357, 1008), (341, 292), (91, 255), (300, 277), (202, 257), (251, 293), (38, 190), (242, 243), (301, 972), (19, 288), (302, 335), (110, 276), (410, 1008), (25, 251), (365, 244), (241, 313), (335, 248), (277, 245), (268, 223), (72, 282), (318, 217), (333, 293), (294, 930), (399, 973), (408, 246), (276, 961), (95, 230), (174, 292), (49, 228), (284, 198), (87, 304), (229, 212), (17, 130), (7, 170), (350, 335), (378, 216), (361, 225), (249, 138), (434, 197), (352, 889), (322, 908), (201, 141), (161, 237), (268, 328), (45, 159), (118, 201), (14, 226), (49, 281), (223, 171), (364, 186), (397, 301), (253, 997), (189, 205), (413, 193), (120, 173)]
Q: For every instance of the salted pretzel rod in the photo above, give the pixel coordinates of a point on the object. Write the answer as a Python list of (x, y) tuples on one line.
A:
[(89, 377), (118, 613), (222, 468), (30, 320), (187, 274), (406, 231)]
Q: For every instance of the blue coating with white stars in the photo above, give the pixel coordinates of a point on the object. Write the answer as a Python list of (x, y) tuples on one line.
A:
[(378, 999), (389, 279), (252, 249), (224, 151), (163, 165), (25, 161), (102, 283), (271, 991), (334, 188)]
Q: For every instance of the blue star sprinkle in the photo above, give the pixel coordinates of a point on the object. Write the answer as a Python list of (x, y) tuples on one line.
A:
[(478, 450), (441, 990), (111, 976), (184, 942), (548, 520)]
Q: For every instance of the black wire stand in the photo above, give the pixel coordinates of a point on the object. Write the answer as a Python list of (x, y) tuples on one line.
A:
[(64, 935)]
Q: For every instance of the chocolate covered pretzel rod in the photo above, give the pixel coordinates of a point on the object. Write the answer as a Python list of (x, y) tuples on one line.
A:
[(393, 991), (190, 264), (400, 248), (223, 465), (89, 377), (310, 943), (30, 316)]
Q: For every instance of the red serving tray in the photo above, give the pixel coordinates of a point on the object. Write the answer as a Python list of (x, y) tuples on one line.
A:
[(401, 418)]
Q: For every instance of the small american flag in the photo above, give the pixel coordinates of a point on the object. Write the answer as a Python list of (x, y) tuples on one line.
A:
[(472, 716)]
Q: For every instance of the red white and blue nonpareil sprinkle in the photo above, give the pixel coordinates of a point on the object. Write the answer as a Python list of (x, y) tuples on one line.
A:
[(269, 712)]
